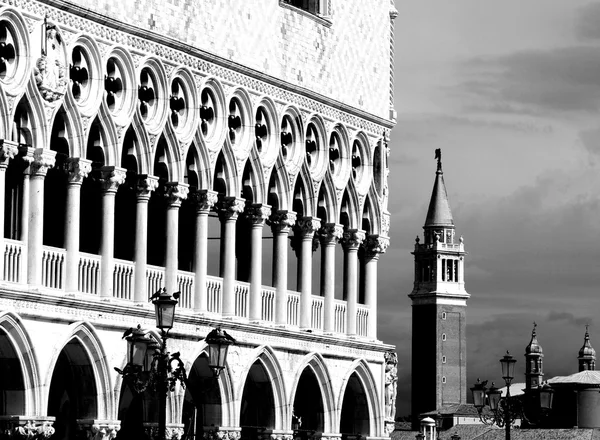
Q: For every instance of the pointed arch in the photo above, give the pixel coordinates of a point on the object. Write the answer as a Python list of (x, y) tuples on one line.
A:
[(316, 363), (5, 123), (253, 181), (265, 356), (303, 198), (110, 137), (143, 151), (85, 333), (173, 159), (371, 213), (278, 190), (16, 332), (225, 174), (349, 207), (360, 368), (201, 161), (40, 129), (73, 127), (22, 120), (327, 206)]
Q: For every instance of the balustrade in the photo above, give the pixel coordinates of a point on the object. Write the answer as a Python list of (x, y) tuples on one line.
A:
[(88, 273), (362, 320), (155, 279), (241, 299), (339, 316), (123, 279), (293, 308), (13, 251), (185, 285), (53, 267), (268, 305), (316, 313)]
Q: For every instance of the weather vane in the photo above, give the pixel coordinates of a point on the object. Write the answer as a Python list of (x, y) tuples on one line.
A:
[(438, 156)]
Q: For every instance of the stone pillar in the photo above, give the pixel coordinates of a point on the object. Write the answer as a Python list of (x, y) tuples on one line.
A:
[(204, 201), (8, 150), (329, 236), (257, 215), (43, 160), (26, 427), (281, 224), (144, 187), (351, 241), (78, 169), (112, 177), (229, 209), (98, 429), (304, 236), (373, 247), (174, 192), (27, 157)]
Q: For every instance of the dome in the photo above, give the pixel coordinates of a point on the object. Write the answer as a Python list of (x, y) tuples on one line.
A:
[(587, 350), (534, 346)]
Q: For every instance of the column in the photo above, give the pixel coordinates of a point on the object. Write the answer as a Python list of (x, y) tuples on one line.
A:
[(329, 236), (144, 187), (373, 247), (43, 160), (351, 241), (305, 232), (112, 177), (229, 209), (174, 192), (281, 224), (257, 215), (77, 169), (204, 200), (8, 150), (27, 157)]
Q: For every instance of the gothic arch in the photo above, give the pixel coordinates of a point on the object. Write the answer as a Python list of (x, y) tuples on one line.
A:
[(371, 212), (74, 133), (17, 334), (360, 367), (226, 173), (40, 132), (174, 160), (316, 363), (256, 177), (144, 147), (201, 161), (110, 139), (327, 205), (6, 121), (86, 335), (349, 206), (279, 181), (266, 357), (305, 185)]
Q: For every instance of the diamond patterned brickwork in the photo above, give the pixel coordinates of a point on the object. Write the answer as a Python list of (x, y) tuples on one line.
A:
[(347, 60)]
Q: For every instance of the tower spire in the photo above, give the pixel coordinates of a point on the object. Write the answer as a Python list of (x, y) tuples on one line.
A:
[(534, 370), (587, 354), (439, 213)]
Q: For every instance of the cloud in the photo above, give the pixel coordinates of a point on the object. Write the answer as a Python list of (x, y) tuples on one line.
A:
[(587, 24), (591, 140)]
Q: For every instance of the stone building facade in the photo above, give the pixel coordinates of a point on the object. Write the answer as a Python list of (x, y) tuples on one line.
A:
[(233, 151)]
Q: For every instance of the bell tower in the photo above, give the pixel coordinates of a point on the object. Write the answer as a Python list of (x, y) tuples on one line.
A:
[(439, 302), (587, 354), (534, 367)]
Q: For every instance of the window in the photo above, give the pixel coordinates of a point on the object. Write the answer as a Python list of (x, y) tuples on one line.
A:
[(443, 359), (444, 316), (443, 379), (318, 9), (443, 336)]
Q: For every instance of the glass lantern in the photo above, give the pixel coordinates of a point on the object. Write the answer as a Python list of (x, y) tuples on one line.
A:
[(218, 345), (508, 368), (165, 311)]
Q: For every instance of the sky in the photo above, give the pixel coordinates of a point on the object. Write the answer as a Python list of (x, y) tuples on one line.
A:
[(510, 91)]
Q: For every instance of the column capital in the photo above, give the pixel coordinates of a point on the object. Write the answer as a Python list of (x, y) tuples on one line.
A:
[(222, 433), (331, 233), (375, 245), (78, 169), (99, 429), (282, 221), (43, 160), (352, 239), (8, 150), (258, 213), (145, 185), (307, 226), (112, 178), (176, 192), (203, 199), (27, 427), (230, 207)]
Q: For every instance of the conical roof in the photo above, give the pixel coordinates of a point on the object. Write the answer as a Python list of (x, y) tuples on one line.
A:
[(587, 350), (534, 346), (439, 213)]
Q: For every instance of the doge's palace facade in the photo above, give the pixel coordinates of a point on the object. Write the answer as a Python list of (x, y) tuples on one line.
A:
[(233, 151)]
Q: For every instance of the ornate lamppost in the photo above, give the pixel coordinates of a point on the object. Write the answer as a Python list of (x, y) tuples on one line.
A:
[(151, 367), (504, 411)]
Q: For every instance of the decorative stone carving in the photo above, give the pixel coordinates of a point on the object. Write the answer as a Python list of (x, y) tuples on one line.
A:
[(78, 169), (8, 150), (230, 207), (282, 221), (112, 178), (385, 224), (308, 225), (99, 429), (352, 239), (375, 245), (175, 192), (50, 70), (221, 433), (145, 185), (257, 214), (26, 428), (272, 434), (391, 382), (331, 233), (203, 199), (43, 160)]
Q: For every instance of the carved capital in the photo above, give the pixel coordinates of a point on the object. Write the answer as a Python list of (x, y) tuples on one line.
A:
[(78, 169), (8, 150), (331, 233), (230, 208), (112, 178), (175, 192), (352, 239), (43, 160), (221, 433), (307, 226), (282, 221), (375, 245), (273, 434), (145, 185), (99, 429), (257, 214), (24, 427), (203, 199)]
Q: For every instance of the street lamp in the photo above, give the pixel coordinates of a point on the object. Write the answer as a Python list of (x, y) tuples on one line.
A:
[(151, 367), (504, 411)]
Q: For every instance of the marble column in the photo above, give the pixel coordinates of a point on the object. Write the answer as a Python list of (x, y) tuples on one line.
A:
[(257, 215), (174, 192), (144, 187), (329, 235), (351, 241), (229, 209), (112, 178), (8, 150), (373, 247), (26, 154), (304, 236), (204, 201), (43, 160), (77, 170), (281, 224)]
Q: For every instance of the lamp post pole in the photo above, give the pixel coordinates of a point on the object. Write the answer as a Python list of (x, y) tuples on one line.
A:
[(162, 387), (507, 421)]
